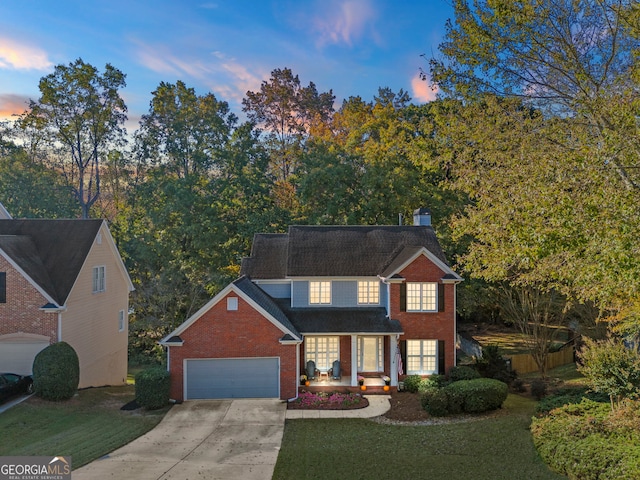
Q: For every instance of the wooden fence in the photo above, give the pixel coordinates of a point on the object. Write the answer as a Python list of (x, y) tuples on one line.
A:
[(524, 363)]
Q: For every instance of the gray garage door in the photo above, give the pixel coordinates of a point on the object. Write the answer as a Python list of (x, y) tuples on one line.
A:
[(233, 378)]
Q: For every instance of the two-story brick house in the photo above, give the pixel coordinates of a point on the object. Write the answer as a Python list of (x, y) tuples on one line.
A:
[(379, 299), (63, 280)]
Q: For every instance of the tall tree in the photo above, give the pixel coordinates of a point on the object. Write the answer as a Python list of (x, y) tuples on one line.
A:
[(545, 143), (81, 115), (287, 112)]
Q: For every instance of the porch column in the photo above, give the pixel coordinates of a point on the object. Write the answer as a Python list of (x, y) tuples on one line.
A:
[(354, 360), (393, 347)]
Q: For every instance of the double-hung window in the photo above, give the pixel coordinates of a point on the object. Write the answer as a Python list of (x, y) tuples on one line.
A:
[(323, 351), (98, 279), (422, 297), (121, 321), (320, 293), (422, 357), (368, 292)]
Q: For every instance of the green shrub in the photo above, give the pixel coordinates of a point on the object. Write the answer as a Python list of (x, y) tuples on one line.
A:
[(463, 373), (589, 441), (412, 383), (435, 402), (432, 382), (56, 372), (152, 388), (493, 365), (477, 395), (538, 388), (567, 396)]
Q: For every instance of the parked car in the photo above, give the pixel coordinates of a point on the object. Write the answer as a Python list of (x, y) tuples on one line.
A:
[(13, 384)]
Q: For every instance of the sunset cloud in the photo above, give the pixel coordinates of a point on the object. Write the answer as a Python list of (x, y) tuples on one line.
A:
[(11, 105), (344, 22), (421, 89), (19, 56)]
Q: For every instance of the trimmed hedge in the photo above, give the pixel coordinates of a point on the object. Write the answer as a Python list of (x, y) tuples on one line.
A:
[(56, 372), (589, 441), (152, 388), (466, 396), (463, 372), (412, 383)]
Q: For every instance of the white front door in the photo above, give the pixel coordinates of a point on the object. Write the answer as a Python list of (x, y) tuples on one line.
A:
[(371, 354)]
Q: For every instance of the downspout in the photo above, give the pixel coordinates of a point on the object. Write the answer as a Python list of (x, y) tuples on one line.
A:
[(297, 372), (59, 326)]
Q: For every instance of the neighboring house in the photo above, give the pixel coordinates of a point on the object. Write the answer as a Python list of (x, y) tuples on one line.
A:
[(380, 299), (63, 280)]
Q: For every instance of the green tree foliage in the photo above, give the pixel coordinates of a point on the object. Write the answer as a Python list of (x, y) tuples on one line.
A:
[(545, 143), (612, 368), (202, 191), (287, 112), (28, 189), (80, 117)]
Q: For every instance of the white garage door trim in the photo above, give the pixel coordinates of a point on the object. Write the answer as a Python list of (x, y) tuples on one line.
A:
[(243, 377), (17, 352)]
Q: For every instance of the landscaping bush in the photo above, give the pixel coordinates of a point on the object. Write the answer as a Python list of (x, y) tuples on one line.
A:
[(538, 388), (567, 396), (463, 373), (480, 395), (493, 365), (152, 388), (433, 382), (589, 441), (435, 402), (412, 383), (56, 372), (470, 396)]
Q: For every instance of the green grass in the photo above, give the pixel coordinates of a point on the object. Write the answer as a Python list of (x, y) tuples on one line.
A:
[(85, 427), (492, 448)]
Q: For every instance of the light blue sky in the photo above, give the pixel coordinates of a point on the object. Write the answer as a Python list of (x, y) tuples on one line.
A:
[(222, 46)]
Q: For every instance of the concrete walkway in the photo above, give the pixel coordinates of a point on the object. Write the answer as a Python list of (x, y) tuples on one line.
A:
[(208, 439)]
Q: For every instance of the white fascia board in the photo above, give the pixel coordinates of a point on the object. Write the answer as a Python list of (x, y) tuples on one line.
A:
[(223, 293), (435, 260), (29, 279)]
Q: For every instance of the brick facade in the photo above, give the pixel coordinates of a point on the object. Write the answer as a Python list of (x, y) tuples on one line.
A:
[(427, 325), (243, 333), (21, 313)]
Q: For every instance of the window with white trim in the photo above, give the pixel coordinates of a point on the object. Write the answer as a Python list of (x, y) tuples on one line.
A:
[(370, 354), (422, 357), (322, 350), (320, 293), (98, 279), (368, 292), (422, 297), (232, 303), (121, 320)]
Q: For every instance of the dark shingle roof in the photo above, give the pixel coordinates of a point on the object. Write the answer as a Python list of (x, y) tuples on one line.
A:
[(266, 302), (340, 320), (336, 250), (50, 252)]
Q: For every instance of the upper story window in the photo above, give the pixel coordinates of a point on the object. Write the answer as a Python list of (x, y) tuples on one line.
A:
[(98, 279), (232, 303), (368, 292), (121, 321), (3, 287), (320, 293), (422, 297)]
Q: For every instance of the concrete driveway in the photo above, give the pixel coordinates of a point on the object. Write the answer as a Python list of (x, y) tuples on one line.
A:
[(208, 439)]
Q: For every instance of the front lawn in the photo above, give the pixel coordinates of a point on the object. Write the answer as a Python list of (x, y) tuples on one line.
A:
[(495, 447), (85, 427)]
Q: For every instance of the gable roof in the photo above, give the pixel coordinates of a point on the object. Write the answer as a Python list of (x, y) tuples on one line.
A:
[(338, 251), (252, 294), (50, 252)]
